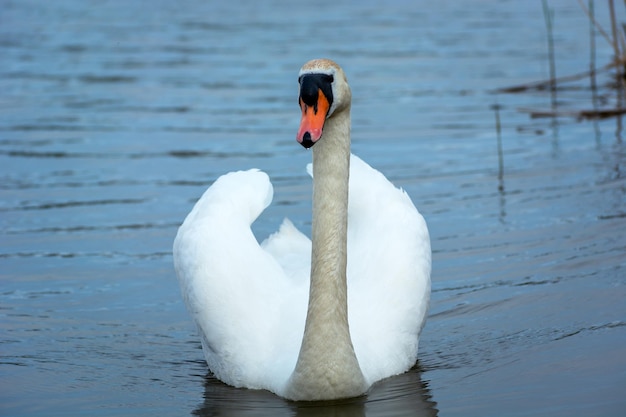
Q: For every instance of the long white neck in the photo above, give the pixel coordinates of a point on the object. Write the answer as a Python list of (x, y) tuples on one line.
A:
[(327, 366)]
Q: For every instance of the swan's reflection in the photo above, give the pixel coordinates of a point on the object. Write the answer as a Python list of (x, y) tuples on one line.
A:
[(401, 395)]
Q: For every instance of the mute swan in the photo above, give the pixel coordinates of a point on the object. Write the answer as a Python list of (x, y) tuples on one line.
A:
[(369, 263)]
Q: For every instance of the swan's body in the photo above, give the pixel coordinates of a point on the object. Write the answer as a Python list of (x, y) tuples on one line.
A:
[(249, 301)]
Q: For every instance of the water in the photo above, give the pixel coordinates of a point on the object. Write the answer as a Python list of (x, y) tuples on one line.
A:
[(115, 116)]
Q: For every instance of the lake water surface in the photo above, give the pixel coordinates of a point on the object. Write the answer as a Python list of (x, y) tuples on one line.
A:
[(116, 115)]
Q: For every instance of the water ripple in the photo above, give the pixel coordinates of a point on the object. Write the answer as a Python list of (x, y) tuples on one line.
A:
[(66, 204)]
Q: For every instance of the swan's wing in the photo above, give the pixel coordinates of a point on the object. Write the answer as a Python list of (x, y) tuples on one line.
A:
[(237, 293), (389, 263)]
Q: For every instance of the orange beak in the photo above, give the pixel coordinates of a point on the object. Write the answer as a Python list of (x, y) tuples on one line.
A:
[(313, 118)]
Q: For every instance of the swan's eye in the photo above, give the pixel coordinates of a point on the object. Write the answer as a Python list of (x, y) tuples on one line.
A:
[(312, 84), (329, 78)]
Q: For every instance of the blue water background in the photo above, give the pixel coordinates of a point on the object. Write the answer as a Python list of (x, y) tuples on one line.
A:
[(116, 115)]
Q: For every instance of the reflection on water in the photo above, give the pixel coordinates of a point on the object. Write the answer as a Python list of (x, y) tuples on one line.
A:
[(401, 395)]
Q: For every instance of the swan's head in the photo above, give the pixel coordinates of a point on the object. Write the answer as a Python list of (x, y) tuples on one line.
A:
[(324, 91)]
